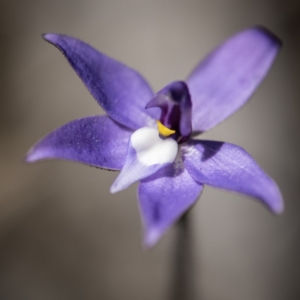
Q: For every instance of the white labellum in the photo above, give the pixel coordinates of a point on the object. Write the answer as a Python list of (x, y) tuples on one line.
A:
[(146, 154)]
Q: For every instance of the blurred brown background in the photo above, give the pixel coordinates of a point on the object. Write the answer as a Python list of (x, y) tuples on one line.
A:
[(62, 235)]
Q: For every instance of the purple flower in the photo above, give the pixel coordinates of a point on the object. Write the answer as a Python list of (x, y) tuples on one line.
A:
[(149, 136)]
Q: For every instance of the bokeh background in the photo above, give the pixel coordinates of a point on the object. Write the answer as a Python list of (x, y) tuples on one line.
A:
[(62, 234)]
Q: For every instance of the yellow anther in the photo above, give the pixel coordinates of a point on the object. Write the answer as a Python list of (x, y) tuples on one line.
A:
[(163, 130)]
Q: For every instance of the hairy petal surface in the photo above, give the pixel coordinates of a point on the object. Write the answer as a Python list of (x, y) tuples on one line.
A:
[(146, 154), (230, 167), (227, 77), (164, 198), (120, 91), (97, 141)]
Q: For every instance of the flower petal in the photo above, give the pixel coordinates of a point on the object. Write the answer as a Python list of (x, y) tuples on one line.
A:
[(119, 90), (164, 198), (97, 141), (146, 154), (230, 167), (227, 77)]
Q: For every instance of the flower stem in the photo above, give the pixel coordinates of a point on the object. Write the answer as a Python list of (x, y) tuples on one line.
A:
[(183, 287)]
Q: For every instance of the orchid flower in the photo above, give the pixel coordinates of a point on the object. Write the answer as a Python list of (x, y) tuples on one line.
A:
[(149, 137)]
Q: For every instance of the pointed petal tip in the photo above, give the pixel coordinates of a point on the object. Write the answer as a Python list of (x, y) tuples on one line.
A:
[(32, 156), (120, 183), (35, 155), (278, 208), (151, 238), (115, 188), (49, 37), (27, 159), (56, 39), (274, 201), (265, 31)]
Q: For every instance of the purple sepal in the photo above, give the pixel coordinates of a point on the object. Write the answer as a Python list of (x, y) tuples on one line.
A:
[(97, 141), (228, 76), (120, 91), (176, 107), (230, 167), (164, 198)]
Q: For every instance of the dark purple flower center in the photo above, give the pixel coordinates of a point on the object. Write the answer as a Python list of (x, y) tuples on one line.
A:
[(176, 108)]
